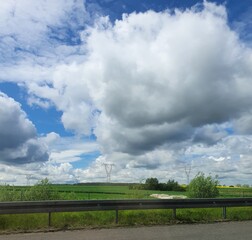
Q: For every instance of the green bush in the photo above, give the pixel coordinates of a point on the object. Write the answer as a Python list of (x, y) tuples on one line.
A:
[(43, 190), (8, 193), (203, 187)]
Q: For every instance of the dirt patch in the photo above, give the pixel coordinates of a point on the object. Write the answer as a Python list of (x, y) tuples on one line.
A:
[(166, 196)]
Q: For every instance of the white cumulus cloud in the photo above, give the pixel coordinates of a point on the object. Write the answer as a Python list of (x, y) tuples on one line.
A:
[(159, 77)]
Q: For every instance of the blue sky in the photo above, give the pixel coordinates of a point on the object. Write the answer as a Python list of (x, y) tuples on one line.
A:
[(149, 86)]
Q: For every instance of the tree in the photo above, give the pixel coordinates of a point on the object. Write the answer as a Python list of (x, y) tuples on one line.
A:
[(203, 187), (41, 191), (152, 184), (172, 185)]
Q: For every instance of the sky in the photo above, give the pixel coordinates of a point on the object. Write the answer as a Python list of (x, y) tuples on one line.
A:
[(151, 87)]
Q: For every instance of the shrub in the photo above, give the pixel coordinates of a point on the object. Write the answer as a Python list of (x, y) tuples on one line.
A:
[(8, 193), (203, 187), (41, 191)]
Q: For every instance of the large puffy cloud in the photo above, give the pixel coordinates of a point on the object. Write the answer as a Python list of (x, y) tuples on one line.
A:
[(18, 141), (159, 77), (155, 78)]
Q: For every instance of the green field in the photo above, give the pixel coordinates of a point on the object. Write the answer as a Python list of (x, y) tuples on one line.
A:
[(124, 191), (231, 192), (102, 191), (82, 192), (109, 191), (29, 222)]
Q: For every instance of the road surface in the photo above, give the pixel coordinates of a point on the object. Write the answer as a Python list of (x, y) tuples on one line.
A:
[(215, 231)]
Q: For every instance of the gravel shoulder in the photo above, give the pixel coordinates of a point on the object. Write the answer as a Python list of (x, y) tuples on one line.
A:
[(217, 231)]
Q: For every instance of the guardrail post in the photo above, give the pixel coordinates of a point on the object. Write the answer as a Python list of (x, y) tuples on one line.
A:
[(224, 212), (174, 214), (21, 195), (116, 220), (49, 219)]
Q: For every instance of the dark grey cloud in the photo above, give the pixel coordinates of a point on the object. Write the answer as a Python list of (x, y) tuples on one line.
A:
[(18, 138), (146, 165), (243, 125), (15, 128), (209, 134), (140, 140)]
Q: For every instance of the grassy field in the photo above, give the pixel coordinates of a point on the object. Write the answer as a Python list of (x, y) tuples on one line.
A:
[(86, 192), (124, 192), (227, 192), (109, 191), (29, 222), (103, 191)]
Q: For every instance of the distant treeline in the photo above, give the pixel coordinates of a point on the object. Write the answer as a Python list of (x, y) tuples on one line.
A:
[(102, 184), (154, 184)]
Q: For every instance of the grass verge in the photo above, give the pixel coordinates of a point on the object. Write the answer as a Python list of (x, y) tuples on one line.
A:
[(31, 222)]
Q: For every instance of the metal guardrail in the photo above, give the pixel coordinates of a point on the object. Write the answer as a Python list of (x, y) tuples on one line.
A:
[(103, 205)]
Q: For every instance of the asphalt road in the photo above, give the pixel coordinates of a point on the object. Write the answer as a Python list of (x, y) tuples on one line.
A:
[(215, 231)]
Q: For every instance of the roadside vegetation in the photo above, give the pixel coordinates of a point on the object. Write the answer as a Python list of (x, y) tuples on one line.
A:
[(203, 187), (29, 222), (44, 190)]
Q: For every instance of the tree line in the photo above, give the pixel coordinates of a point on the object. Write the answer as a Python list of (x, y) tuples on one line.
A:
[(200, 187), (170, 185)]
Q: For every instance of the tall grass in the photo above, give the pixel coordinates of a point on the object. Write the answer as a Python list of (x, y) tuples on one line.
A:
[(28, 222)]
